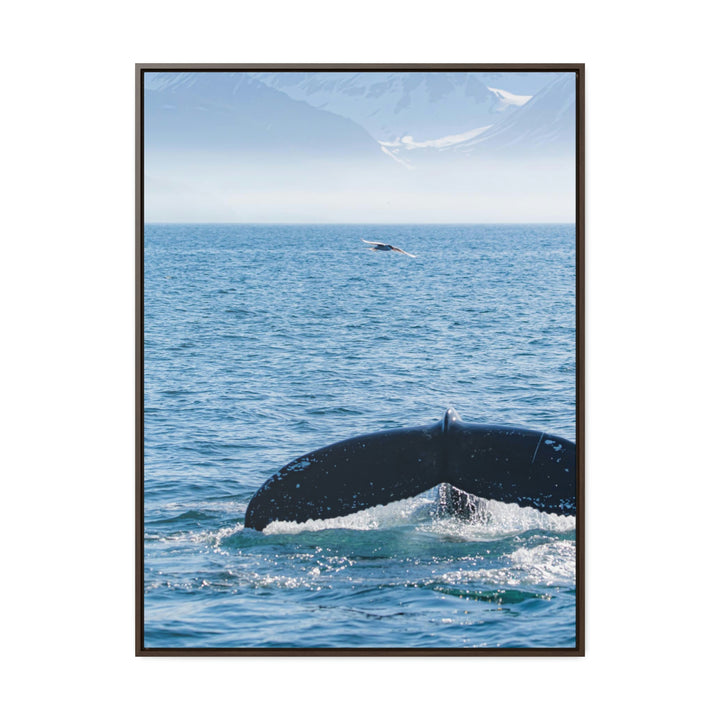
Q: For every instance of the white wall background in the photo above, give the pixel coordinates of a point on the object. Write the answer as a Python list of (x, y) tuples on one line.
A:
[(67, 354)]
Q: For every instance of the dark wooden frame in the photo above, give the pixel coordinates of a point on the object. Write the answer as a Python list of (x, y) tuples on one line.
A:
[(579, 70)]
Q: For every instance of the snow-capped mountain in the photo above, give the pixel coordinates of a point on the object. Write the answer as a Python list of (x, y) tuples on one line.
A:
[(392, 105), (543, 125), (412, 117)]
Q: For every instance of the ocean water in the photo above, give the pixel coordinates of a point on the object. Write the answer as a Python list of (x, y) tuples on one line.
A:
[(264, 342)]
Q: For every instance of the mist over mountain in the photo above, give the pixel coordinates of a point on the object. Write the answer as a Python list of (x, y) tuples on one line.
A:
[(231, 113)]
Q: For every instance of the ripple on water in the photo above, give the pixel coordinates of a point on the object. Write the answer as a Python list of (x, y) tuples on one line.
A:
[(253, 359)]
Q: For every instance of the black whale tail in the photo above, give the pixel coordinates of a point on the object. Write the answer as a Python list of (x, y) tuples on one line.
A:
[(530, 468)]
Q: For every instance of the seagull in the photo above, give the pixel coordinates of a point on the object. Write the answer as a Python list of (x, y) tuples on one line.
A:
[(385, 246)]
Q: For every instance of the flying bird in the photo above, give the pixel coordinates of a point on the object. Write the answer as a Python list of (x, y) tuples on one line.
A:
[(385, 246)]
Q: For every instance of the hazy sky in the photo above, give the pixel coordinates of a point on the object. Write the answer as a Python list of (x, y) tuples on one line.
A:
[(359, 148)]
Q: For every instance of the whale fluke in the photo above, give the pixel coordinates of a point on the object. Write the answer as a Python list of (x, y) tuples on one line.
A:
[(513, 465)]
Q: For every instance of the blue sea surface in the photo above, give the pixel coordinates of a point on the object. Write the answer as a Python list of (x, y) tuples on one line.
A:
[(264, 342)]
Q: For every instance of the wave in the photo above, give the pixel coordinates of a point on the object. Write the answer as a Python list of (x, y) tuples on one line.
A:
[(497, 520)]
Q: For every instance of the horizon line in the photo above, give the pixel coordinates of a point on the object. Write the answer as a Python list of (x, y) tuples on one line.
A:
[(328, 222)]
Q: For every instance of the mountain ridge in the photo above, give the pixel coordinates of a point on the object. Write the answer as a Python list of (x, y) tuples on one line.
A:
[(391, 105)]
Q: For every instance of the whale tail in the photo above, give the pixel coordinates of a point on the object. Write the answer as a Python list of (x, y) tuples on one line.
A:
[(530, 468)]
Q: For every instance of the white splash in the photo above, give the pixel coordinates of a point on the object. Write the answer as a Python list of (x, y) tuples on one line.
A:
[(402, 512), (497, 520), (550, 564)]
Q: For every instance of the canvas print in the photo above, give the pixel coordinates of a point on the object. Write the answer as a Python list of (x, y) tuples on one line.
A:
[(359, 348)]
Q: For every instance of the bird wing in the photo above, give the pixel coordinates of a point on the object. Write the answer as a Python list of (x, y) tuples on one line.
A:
[(403, 252), (372, 243)]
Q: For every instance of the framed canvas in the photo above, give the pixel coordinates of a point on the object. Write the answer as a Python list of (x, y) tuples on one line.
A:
[(360, 359)]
